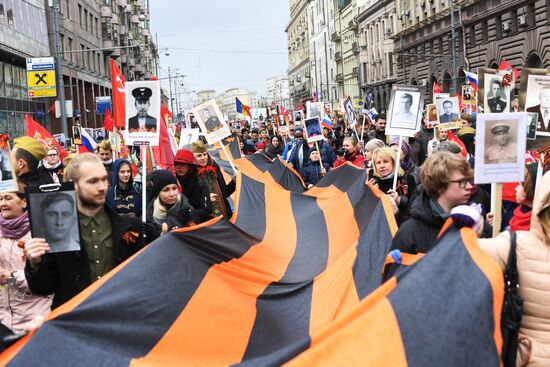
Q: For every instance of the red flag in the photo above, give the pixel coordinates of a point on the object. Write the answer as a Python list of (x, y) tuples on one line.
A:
[(119, 95), (164, 156), (108, 120), (35, 130), (506, 66), (452, 137), (437, 88)]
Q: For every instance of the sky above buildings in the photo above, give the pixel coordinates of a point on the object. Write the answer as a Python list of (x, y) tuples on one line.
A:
[(220, 44)]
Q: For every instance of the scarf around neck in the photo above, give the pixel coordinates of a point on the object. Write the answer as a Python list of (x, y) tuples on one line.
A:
[(15, 228), (50, 167)]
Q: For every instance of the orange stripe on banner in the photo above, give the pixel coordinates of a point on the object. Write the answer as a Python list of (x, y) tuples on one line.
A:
[(291, 169), (448, 223), (367, 336), (492, 272), (215, 326), (68, 306), (406, 259), (249, 169), (387, 207)]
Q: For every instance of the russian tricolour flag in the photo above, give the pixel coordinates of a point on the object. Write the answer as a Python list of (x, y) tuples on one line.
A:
[(327, 122), (87, 141), (472, 78)]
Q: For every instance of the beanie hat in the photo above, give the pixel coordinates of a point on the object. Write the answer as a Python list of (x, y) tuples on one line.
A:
[(160, 179), (31, 145), (405, 147), (374, 144), (298, 130), (198, 147)]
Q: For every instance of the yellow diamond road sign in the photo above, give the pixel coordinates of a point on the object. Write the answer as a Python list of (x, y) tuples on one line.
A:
[(41, 77)]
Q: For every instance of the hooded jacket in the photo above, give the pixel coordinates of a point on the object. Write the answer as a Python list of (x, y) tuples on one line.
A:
[(533, 263), (124, 201), (311, 173)]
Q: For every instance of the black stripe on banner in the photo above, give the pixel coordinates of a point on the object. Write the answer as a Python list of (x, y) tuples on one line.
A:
[(283, 310), (130, 313), (444, 307), (278, 357), (251, 217), (285, 177), (260, 161)]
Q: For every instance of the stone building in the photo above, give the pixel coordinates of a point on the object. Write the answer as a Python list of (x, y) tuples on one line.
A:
[(298, 52)]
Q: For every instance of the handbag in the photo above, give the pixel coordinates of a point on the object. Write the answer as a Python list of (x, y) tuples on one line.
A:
[(512, 308)]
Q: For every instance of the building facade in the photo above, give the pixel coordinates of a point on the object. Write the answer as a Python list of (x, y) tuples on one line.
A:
[(226, 101), (277, 89), (23, 34), (205, 95), (378, 72), (298, 52)]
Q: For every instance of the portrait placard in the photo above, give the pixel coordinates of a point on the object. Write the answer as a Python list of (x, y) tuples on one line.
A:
[(406, 104), (298, 117), (187, 137), (448, 110), (432, 113), (60, 138), (313, 129), (441, 96), (53, 215), (315, 109), (8, 179), (468, 95), (211, 122), (494, 96), (142, 113), (532, 119), (77, 135), (500, 147), (350, 112), (99, 134)]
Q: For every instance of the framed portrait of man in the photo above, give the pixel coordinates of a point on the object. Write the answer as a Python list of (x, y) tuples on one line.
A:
[(350, 112), (8, 179), (448, 110), (538, 101), (315, 109), (60, 138), (298, 115), (500, 147), (532, 119), (54, 216), (432, 113), (77, 135), (406, 104), (99, 134), (211, 122), (313, 129), (494, 91), (468, 94), (142, 112), (187, 137)]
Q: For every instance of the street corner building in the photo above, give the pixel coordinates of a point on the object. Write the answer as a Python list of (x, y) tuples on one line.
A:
[(292, 277)]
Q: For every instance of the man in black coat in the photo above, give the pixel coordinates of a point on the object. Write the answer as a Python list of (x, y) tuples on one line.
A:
[(543, 109), (106, 239), (142, 121), (27, 153)]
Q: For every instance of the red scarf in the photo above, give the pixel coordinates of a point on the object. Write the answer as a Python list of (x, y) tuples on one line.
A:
[(521, 221)]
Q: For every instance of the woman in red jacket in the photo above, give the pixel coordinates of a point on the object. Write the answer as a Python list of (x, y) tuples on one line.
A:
[(351, 153)]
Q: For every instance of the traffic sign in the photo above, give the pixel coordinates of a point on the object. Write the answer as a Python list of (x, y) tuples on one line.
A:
[(41, 77)]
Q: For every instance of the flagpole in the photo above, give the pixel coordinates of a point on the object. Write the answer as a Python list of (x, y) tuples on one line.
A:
[(397, 163), (363, 128), (228, 157)]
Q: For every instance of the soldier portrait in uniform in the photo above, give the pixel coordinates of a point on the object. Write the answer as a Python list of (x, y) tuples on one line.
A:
[(142, 121), (542, 107), (532, 119), (432, 113), (211, 121), (468, 94), (447, 110), (404, 105), (497, 101), (499, 145)]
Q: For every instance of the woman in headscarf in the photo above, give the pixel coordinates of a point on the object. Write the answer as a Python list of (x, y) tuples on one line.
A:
[(211, 173), (18, 305), (275, 147)]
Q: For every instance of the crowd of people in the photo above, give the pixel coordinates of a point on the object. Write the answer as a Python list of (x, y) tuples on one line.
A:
[(434, 176)]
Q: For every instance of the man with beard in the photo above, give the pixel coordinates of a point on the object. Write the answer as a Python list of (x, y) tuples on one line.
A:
[(379, 131), (107, 239), (52, 165), (105, 153)]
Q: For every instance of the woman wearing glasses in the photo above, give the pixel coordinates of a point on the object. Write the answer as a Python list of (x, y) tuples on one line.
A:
[(446, 180), (52, 165)]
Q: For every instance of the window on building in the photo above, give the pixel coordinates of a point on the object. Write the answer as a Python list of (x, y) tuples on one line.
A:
[(85, 19), (83, 55), (391, 66), (92, 23), (2, 11), (70, 48), (8, 79), (67, 9), (484, 31), (498, 23), (80, 15), (96, 26), (9, 13)]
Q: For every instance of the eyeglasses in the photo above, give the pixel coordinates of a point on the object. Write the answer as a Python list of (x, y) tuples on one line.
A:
[(463, 182), (52, 155)]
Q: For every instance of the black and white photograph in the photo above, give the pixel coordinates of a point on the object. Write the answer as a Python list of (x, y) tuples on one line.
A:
[(142, 112), (497, 96), (99, 134), (211, 122), (313, 129), (532, 120), (187, 137), (468, 95), (350, 112), (298, 117), (77, 135), (405, 115), (500, 147), (538, 101), (315, 109), (448, 110), (54, 217), (60, 138), (8, 181)]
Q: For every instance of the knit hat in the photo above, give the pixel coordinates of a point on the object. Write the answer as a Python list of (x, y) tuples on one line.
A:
[(31, 145), (298, 130), (198, 147), (185, 156), (260, 145), (374, 144), (160, 179), (405, 147)]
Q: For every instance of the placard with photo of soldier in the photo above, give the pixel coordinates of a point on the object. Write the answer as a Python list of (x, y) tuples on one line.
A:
[(494, 91), (142, 112), (468, 94), (8, 180), (432, 113), (315, 109), (406, 104), (211, 122), (448, 110), (77, 135)]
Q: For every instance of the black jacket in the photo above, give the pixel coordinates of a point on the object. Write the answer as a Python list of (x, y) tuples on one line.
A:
[(226, 189), (198, 194), (66, 274), (406, 185), (36, 178), (177, 217)]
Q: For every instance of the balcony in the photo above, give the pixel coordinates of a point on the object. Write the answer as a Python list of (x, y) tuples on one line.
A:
[(121, 3), (355, 48), (339, 78), (335, 36), (338, 56), (105, 11), (352, 25), (355, 72)]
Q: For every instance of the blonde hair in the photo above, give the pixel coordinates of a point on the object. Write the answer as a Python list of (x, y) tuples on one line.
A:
[(105, 145), (160, 211), (437, 169), (72, 171), (386, 153)]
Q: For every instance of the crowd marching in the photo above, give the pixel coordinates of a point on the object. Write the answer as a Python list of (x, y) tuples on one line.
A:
[(434, 179)]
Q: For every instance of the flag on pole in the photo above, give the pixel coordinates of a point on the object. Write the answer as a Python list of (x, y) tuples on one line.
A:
[(87, 141), (437, 88), (506, 66), (327, 122), (119, 95), (108, 120), (164, 156), (242, 108), (472, 78), (35, 130)]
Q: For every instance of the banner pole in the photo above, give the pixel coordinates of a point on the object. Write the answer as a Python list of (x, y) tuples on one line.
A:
[(363, 128), (318, 151), (143, 184), (228, 157), (397, 162), (496, 207)]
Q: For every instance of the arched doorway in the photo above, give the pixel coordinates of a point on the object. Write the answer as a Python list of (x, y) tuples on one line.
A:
[(446, 82), (413, 81), (461, 79), (534, 61), (493, 65)]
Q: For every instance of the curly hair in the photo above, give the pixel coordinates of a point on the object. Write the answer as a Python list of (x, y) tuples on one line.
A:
[(437, 169)]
